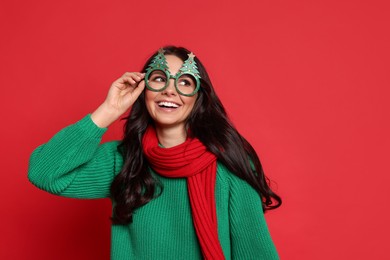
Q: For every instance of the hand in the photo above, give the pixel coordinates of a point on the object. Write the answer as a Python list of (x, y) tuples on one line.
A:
[(121, 96), (125, 91)]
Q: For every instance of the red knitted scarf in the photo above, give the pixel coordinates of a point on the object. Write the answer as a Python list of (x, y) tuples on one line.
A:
[(191, 160)]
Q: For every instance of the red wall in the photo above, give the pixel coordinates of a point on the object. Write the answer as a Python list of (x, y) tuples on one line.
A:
[(307, 82)]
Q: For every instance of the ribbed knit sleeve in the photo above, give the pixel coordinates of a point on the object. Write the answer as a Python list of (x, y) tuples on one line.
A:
[(73, 163), (250, 237)]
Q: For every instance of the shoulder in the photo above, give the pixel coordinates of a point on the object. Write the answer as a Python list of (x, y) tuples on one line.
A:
[(232, 182), (223, 174), (111, 146), (111, 149), (229, 179)]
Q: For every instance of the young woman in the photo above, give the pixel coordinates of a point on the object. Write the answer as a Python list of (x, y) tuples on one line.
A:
[(183, 182)]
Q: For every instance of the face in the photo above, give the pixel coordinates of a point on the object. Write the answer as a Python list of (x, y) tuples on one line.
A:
[(168, 108)]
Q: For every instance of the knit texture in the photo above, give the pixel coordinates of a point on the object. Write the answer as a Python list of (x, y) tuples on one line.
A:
[(74, 164), (192, 160)]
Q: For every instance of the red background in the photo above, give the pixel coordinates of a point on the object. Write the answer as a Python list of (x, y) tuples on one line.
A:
[(306, 82)]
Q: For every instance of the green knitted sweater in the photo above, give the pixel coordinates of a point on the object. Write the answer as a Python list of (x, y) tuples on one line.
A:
[(74, 164)]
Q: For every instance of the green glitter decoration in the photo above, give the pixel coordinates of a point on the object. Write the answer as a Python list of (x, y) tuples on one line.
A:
[(189, 66), (159, 62)]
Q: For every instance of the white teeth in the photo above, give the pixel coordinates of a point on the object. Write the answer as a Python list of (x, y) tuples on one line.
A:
[(167, 104)]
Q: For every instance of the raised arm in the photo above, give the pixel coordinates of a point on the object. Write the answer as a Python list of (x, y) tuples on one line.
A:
[(73, 163)]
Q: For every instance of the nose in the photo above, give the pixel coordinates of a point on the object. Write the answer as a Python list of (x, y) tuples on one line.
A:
[(170, 89)]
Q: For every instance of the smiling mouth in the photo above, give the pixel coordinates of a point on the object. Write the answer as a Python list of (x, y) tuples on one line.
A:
[(165, 104)]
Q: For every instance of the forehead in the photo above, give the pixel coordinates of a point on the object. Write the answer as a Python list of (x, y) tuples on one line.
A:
[(174, 63)]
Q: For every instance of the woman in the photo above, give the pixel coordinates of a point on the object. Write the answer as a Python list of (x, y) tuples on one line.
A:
[(184, 183)]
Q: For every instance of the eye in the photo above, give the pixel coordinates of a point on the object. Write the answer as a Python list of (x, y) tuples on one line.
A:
[(186, 81), (157, 78)]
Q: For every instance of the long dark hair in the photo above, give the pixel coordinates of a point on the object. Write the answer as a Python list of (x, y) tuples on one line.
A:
[(134, 186)]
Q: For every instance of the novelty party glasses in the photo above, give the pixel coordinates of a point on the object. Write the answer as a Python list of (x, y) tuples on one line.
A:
[(187, 81)]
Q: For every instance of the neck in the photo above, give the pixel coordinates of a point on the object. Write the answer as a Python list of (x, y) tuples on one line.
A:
[(171, 136)]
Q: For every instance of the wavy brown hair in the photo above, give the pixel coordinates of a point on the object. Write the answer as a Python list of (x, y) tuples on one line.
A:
[(135, 186)]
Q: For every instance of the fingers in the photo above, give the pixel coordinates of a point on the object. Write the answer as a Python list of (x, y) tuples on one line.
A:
[(130, 95), (125, 90), (138, 90), (132, 78)]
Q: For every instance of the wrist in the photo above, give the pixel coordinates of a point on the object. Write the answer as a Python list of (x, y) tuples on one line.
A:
[(104, 115)]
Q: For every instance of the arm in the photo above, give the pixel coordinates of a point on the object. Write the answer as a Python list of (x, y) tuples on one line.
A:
[(73, 164), (250, 236)]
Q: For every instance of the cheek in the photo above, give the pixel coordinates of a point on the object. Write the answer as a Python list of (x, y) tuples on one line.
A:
[(190, 102), (149, 95), (149, 99)]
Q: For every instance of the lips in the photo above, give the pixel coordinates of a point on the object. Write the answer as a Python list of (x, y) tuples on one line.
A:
[(167, 104)]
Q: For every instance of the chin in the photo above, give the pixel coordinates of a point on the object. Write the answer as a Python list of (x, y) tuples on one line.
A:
[(168, 123)]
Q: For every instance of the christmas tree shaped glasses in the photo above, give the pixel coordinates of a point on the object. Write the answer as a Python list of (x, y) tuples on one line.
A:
[(187, 81)]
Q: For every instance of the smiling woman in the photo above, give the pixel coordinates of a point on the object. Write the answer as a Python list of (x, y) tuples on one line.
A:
[(168, 107), (184, 183)]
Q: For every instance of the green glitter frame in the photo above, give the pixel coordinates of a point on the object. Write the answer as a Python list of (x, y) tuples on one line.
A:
[(189, 67)]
